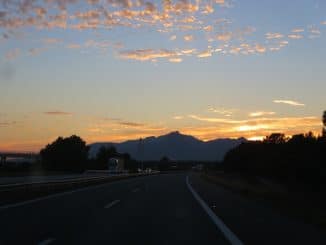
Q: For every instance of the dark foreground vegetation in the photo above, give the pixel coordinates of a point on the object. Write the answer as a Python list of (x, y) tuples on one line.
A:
[(70, 155), (288, 173), (300, 159)]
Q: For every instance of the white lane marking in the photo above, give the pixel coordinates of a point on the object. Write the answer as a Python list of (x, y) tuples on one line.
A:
[(229, 235), (135, 190), (46, 242), (4, 207), (111, 204)]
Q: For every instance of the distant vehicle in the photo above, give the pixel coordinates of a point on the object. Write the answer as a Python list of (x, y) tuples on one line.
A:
[(148, 170), (116, 165)]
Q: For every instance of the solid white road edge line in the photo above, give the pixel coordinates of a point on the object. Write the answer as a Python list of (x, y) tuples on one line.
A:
[(111, 204), (229, 235)]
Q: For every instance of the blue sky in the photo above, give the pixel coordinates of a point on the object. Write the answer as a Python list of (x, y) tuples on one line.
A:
[(118, 69)]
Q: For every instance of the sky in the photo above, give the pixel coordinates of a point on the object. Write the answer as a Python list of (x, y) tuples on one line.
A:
[(113, 70)]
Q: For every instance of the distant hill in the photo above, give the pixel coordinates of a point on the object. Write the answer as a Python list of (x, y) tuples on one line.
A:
[(174, 145)]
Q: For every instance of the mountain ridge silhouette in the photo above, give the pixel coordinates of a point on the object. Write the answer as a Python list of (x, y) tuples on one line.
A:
[(173, 145)]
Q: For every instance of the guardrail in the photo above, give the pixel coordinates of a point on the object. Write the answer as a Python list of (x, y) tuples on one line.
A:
[(19, 192)]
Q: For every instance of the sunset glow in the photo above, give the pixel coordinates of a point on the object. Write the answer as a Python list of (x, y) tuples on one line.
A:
[(125, 69)]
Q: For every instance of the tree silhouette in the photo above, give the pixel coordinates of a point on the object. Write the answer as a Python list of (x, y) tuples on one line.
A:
[(324, 124), (276, 138), (103, 156), (164, 163), (68, 154), (300, 159)]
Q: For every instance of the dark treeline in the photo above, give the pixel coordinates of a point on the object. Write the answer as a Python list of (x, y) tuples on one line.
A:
[(105, 153), (71, 154), (299, 159), (65, 154)]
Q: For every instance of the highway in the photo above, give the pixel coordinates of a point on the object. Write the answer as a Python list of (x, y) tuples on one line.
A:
[(159, 209), (145, 210)]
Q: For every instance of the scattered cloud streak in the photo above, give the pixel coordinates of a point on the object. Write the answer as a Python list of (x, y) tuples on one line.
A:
[(58, 113), (289, 102), (186, 18), (262, 113)]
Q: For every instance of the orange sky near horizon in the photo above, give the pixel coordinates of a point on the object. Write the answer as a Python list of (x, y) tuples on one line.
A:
[(124, 69)]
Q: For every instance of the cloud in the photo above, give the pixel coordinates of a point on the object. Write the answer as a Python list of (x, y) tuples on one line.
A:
[(188, 51), (58, 113), (270, 35), (224, 36), (323, 22), (289, 102), (254, 128), (120, 130), (188, 38), (216, 120), (261, 113), (260, 48), (157, 16), (205, 54), (314, 33), (178, 117), (222, 111), (173, 37), (295, 36), (147, 54), (298, 30), (175, 60), (131, 124)]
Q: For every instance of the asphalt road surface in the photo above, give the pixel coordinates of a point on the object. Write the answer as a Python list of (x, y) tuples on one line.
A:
[(146, 210), (158, 209)]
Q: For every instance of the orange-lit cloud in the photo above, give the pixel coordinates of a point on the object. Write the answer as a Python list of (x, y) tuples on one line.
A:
[(289, 102), (205, 54), (188, 38), (261, 113), (270, 35), (187, 17), (175, 60), (147, 54)]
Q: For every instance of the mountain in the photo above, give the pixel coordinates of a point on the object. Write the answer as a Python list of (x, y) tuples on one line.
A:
[(174, 145)]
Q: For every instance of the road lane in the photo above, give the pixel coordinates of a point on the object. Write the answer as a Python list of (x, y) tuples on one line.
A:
[(254, 221), (162, 211)]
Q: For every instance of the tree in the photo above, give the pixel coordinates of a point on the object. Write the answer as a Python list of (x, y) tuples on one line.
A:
[(103, 156), (165, 159), (164, 163), (324, 124), (69, 154), (275, 138)]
